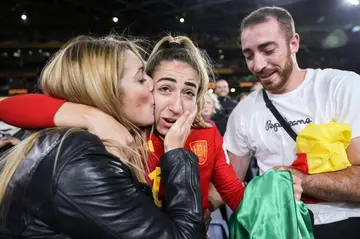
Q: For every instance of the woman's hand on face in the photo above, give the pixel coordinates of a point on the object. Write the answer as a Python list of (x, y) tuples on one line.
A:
[(179, 131)]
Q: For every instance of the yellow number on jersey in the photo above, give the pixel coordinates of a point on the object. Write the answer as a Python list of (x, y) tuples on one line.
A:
[(156, 177)]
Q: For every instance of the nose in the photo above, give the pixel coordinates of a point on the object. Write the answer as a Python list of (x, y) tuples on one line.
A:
[(176, 105), (150, 84), (259, 63)]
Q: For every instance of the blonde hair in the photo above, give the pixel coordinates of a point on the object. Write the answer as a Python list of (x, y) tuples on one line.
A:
[(214, 98), (88, 71), (186, 51)]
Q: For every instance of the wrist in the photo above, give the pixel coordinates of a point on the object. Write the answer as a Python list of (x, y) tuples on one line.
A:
[(169, 148), (92, 116), (76, 115)]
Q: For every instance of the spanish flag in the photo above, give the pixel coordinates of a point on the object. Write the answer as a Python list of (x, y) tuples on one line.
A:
[(321, 148)]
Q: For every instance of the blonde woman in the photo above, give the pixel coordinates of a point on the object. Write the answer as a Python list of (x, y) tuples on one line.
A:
[(63, 183), (211, 105)]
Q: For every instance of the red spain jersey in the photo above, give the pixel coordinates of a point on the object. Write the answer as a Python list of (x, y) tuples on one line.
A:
[(207, 145)]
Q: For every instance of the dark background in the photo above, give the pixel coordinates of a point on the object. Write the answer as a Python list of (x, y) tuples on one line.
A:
[(329, 31)]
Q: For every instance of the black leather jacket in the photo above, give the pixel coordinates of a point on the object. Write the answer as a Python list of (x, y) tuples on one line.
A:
[(91, 194)]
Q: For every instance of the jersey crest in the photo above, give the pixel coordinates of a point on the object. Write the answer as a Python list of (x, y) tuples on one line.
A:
[(200, 148)]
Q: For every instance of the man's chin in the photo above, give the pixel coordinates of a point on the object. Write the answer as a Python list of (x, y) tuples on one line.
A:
[(269, 84), (275, 88)]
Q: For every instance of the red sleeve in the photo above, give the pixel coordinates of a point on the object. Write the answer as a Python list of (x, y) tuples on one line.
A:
[(224, 177), (30, 111)]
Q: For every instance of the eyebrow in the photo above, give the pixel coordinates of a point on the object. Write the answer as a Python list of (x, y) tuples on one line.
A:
[(174, 81), (261, 46), (191, 84)]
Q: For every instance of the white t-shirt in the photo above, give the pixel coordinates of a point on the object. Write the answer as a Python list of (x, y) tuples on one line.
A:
[(324, 96)]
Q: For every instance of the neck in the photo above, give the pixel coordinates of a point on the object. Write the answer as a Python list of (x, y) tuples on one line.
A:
[(158, 134), (206, 117)]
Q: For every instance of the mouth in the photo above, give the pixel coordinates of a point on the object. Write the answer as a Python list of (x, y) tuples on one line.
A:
[(168, 122), (267, 76)]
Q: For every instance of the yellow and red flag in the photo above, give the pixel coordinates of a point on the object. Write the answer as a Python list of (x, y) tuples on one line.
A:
[(321, 148)]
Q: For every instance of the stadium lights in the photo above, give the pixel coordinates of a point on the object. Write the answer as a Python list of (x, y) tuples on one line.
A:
[(353, 2), (355, 28)]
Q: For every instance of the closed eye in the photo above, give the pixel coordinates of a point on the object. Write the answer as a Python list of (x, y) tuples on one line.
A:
[(142, 81), (249, 57), (269, 52)]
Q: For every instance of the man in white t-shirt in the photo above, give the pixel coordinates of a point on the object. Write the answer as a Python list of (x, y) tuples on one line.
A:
[(269, 44)]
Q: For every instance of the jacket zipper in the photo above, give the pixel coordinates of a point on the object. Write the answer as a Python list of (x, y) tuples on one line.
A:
[(191, 181)]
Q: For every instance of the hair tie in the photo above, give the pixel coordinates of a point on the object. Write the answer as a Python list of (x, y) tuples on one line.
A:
[(174, 45)]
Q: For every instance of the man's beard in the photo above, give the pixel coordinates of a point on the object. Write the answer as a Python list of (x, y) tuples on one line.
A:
[(282, 78)]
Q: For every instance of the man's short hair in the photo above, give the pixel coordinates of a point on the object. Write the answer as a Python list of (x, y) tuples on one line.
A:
[(264, 14)]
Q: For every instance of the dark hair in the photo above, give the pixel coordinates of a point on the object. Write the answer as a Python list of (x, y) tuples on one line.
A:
[(264, 14)]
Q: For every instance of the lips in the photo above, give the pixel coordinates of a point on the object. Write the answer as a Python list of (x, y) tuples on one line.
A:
[(267, 76), (168, 122)]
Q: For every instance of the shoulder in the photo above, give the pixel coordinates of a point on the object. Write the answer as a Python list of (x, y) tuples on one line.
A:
[(66, 150), (252, 100), (334, 82), (333, 73), (69, 138), (203, 132), (247, 107), (82, 157), (71, 146), (210, 135), (333, 76)]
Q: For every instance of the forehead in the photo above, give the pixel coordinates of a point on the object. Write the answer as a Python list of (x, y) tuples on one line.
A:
[(258, 34), (207, 97), (176, 69), (221, 83), (131, 61)]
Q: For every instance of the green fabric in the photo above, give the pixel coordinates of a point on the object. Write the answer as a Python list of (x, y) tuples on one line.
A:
[(270, 211)]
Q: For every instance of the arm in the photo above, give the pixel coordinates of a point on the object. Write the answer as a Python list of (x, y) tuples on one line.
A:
[(342, 185), (103, 200), (235, 144), (31, 111), (335, 186), (224, 178), (240, 164), (36, 111), (215, 200)]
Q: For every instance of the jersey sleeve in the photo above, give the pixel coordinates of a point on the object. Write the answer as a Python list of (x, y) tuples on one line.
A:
[(30, 111), (224, 178), (234, 137)]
